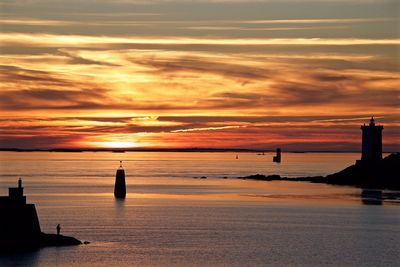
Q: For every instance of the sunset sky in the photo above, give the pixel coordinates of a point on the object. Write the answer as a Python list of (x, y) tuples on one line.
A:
[(298, 74)]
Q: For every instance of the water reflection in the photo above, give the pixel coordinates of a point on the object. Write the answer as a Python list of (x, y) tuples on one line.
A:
[(119, 204), (379, 197), (371, 196), (31, 258)]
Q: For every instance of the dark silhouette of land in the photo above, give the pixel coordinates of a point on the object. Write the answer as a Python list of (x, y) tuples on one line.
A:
[(383, 174), (20, 228), (371, 171), (136, 149)]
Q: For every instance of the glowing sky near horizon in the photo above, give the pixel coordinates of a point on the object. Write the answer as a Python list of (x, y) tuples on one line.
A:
[(298, 74)]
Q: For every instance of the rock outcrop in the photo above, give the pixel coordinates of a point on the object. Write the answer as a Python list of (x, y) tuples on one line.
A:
[(383, 174)]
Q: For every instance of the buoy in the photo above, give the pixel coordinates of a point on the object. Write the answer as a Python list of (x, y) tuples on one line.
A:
[(120, 186), (277, 158)]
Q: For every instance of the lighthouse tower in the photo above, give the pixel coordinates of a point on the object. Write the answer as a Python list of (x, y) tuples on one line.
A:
[(371, 142)]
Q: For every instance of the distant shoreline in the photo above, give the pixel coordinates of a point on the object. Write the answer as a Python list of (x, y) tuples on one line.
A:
[(122, 150)]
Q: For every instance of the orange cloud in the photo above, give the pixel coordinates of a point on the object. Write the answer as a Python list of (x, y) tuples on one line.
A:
[(170, 97)]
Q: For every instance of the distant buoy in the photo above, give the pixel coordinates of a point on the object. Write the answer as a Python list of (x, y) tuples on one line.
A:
[(120, 186), (277, 158)]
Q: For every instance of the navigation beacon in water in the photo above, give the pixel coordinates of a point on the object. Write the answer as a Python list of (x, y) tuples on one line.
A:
[(277, 158), (120, 186)]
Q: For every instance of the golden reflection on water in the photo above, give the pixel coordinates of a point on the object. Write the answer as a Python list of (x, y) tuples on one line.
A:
[(219, 190), (159, 176)]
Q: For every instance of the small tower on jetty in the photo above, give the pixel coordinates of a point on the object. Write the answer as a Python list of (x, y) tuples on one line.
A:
[(120, 186), (16, 194), (19, 225), (19, 220), (371, 150)]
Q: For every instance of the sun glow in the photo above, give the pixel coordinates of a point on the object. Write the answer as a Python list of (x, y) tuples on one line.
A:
[(118, 141), (116, 144)]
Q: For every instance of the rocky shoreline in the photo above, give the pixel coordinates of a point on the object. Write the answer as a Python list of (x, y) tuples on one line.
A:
[(384, 174), (15, 244)]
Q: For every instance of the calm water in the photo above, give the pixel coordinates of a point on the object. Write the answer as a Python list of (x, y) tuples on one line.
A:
[(172, 219)]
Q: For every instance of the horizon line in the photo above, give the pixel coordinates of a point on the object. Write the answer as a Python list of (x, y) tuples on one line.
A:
[(177, 149)]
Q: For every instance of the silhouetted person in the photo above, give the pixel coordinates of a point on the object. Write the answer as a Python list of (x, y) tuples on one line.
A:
[(58, 229)]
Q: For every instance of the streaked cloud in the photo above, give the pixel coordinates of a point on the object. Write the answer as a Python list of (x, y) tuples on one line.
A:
[(227, 28), (40, 22), (319, 21), (206, 129), (50, 40), (245, 74), (265, 132)]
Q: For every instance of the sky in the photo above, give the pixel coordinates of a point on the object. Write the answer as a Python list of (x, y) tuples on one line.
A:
[(295, 74)]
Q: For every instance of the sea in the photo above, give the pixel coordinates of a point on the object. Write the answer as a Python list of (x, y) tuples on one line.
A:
[(190, 209)]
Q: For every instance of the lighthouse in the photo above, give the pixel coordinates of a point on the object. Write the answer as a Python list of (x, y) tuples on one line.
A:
[(371, 150), (120, 186)]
